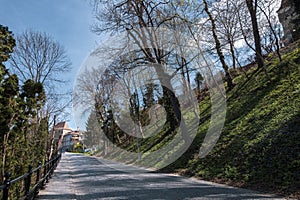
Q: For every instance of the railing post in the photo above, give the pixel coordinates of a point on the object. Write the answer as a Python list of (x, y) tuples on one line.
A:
[(44, 174), (7, 185), (58, 159), (55, 161), (46, 171), (28, 180), (52, 168), (38, 171)]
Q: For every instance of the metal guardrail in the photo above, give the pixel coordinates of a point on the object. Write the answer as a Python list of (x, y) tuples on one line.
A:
[(31, 188)]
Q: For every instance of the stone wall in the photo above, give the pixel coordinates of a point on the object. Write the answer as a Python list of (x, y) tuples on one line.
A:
[(289, 17)]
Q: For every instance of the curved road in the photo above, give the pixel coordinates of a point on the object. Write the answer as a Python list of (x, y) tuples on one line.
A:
[(82, 177)]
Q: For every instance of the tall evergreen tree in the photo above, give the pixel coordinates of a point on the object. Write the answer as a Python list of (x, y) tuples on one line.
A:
[(19, 124), (8, 92)]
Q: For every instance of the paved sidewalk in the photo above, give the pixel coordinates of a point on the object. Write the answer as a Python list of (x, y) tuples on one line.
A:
[(60, 186), (81, 177)]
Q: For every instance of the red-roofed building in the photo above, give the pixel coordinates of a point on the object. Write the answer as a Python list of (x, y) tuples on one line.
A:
[(65, 137), (61, 129), (70, 139)]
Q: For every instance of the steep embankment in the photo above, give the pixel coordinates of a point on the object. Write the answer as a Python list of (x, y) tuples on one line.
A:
[(260, 143)]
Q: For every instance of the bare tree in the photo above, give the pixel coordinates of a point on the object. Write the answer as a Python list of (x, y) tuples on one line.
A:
[(40, 58), (134, 17), (88, 97), (228, 29), (86, 88), (268, 9), (218, 46)]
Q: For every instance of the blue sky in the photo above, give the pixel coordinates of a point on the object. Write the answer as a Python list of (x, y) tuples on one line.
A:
[(67, 21)]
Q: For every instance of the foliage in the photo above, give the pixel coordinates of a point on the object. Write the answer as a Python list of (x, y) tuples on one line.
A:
[(7, 43), (93, 134), (42, 60), (23, 132), (78, 148)]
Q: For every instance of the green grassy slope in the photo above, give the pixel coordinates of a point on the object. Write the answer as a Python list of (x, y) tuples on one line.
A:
[(260, 143)]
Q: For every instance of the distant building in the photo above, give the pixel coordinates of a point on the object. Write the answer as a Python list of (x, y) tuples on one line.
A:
[(60, 130), (65, 137), (70, 139), (289, 17), (67, 142)]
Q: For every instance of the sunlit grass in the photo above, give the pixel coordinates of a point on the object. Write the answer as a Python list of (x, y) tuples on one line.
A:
[(260, 142)]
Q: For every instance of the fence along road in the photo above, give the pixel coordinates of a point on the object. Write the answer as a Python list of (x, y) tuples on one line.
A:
[(81, 177)]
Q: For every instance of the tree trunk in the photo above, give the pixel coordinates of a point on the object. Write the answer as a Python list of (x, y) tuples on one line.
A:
[(171, 104), (232, 54), (258, 51), (218, 47), (52, 140)]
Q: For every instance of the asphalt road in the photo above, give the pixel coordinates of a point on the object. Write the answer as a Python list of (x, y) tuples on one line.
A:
[(82, 177)]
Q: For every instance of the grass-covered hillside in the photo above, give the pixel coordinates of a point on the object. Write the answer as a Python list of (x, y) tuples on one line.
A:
[(260, 143)]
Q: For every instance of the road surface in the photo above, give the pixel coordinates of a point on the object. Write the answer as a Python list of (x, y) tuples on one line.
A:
[(81, 177)]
